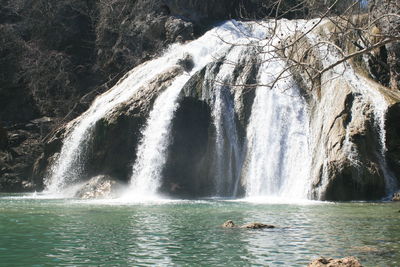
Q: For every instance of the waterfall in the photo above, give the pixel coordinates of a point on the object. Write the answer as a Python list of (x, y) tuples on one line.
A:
[(70, 163), (270, 156), (228, 159), (285, 179), (229, 41), (277, 158), (151, 154)]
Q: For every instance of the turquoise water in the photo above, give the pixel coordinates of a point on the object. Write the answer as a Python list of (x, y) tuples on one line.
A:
[(65, 232)]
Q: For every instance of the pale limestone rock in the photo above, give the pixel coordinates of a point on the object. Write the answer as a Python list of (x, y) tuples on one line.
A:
[(100, 186), (344, 262)]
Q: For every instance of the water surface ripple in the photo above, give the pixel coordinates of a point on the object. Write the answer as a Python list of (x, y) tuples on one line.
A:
[(62, 232)]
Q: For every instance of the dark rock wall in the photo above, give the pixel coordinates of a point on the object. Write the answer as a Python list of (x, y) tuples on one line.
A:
[(187, 169), (393, 138)]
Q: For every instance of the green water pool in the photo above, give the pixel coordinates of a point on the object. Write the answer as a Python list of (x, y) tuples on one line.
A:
[(68, 232)]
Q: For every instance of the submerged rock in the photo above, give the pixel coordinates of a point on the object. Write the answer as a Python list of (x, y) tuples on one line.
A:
[(253, 225), (344, 262), (228, 224), (257, 225), (100, 186)]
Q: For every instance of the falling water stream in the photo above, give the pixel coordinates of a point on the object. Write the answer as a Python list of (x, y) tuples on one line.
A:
[(278, 160)]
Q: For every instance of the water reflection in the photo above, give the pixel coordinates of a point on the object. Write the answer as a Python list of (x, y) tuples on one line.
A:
[(148, 233), (188, 233)]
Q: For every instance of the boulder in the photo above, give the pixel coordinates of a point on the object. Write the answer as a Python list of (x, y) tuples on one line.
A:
[(257, 225), (396, 196), (344, 262), (101, 186), (186, 62), (229, 224), (253, 225)]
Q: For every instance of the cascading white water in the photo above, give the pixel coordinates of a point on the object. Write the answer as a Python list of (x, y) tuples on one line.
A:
[(227, 147), (151, 153), (274, 160), (277, 160), (70, 162), (289, 178), (228, 41)]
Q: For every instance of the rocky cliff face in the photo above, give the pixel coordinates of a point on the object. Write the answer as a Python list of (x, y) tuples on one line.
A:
[(352, 127), (347, 161)]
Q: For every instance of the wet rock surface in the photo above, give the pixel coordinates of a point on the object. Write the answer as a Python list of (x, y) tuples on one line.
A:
[(257, 225), (329, 262), (228, 224), (253, 225), (396, 197), (101, 186)]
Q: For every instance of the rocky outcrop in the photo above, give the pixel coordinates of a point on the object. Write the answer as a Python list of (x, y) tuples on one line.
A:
[(186, 173), (348, 157), (21, 147), (329, 262), (347, 151), (346, 146), (99, 187)]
